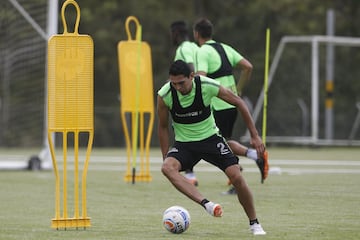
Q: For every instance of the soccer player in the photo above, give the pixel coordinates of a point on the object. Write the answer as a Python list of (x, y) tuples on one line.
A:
[(188, 99), (186, 51), (217, 61)]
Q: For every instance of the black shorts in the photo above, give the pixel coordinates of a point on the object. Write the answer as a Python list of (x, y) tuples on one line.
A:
[(213, 150), (225, 120)]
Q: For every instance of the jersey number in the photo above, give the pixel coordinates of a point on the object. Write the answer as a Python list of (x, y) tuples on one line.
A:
[(223, 148)]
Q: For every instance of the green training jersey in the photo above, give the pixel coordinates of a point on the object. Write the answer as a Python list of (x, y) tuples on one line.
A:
[(208, 60), (187, 52), (193, 131)]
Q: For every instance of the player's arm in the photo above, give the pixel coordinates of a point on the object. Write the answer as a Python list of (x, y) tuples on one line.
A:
[(228, 96), (163, 126), (245, 74)]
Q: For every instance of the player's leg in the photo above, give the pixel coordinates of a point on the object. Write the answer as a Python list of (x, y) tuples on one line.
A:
[(244, 194), (245, 198), (222, 157), (171, 169), (225, 120), (191, 177), (261, 161), (178, 161)]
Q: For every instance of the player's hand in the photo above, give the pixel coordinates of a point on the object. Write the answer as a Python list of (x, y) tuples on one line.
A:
[(257, 144)]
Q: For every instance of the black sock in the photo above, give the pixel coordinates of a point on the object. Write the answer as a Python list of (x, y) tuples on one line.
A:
[(203, 202), (252, 222)]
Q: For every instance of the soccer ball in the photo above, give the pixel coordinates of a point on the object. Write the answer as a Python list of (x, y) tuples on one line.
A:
[(176, 219)]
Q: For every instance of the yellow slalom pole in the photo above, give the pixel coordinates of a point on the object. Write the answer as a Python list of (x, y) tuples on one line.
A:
[(267, 49), (135, 126)]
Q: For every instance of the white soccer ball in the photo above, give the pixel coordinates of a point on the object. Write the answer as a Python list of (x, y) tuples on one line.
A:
[(176, 219)]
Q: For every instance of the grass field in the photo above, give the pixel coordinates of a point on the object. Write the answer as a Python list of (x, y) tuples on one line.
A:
[(315, 196)]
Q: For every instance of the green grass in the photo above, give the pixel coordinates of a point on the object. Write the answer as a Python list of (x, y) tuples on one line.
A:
[(289, 206)]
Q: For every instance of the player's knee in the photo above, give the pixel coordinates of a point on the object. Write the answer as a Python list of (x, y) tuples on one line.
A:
[(234, 175), (165, 169), (238, 181), (168, 167)]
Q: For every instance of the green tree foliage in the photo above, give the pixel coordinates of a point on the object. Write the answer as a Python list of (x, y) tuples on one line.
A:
[(240, 23)]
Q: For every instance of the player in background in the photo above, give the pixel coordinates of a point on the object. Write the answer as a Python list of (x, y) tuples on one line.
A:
[(186, 51), (188, 99), (217, 61)]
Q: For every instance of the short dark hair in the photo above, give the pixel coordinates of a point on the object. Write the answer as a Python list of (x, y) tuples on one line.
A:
[(204, 27), (179, 27), (179, 67), (179, 32)]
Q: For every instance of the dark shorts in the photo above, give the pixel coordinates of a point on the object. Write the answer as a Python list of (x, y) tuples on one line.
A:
[(213, 150), (225, 120)]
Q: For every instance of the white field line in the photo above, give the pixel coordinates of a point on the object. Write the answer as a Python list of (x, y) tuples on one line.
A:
[(277, 166)]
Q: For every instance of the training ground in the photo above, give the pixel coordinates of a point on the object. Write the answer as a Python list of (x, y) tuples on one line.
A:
[(311, 193)]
